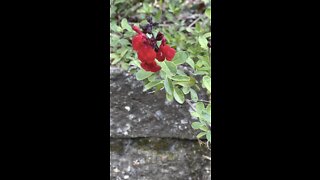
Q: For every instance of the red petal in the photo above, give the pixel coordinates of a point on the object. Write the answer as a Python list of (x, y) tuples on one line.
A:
[(160, 56), (138, 42), (136, 29), (168, 52), (153, 66), (146, 54)]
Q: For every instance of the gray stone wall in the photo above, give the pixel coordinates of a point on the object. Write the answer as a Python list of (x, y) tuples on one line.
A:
[(151, 139)]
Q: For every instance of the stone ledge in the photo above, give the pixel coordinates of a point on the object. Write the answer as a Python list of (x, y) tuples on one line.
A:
[(134, 113), (158, 158)]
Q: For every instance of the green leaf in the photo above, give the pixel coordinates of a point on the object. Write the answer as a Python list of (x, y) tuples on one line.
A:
[(186, 83), (204, 128), (206, 35), (200, 107), (203, 42), (200, 73), (194, 95), (182, 83), (180, 78), (196, 125), (124, 66), (165, 69), (190, 62), (206, 117), (151, 85), (113, 56), (208, 13), (201, 134), (206, 1), (195, 114), (159, 86), (180, 72), (125, 25), (114, 40), (135, 63), (208, 108), (124, 42), (163, 74), (208, 135), (169, 16), (178, 95), (115, 28), (142, 74), (198, 27), (189, 29), (180, 58), (123, 53), (168, 86), (158, 15), (152, 77), (169, 97), (172, 67), (118, 1), (186, 90), (207, 82), (118, 59), (204, 68)]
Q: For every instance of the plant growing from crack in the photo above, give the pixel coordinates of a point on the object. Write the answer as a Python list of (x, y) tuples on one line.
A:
[(171, 56)]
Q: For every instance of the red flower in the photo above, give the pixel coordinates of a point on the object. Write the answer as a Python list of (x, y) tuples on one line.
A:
[(160, 56), (145, 47), (165, 51), (138, 41), (146, 53), (150, 66)]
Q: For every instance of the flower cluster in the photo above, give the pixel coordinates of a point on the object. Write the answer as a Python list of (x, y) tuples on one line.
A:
[(148, 49)]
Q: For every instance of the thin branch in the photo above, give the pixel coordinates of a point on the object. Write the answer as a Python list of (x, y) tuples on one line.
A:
[(208, 145), (188, 101), (206, 157), (205, 101), (165, 25), (195, 21)]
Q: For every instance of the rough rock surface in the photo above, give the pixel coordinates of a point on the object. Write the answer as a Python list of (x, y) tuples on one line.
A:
[(134, 113), (158, 159), (151, 138)]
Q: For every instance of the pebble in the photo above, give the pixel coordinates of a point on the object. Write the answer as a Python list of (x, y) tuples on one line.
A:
[(127, 108)]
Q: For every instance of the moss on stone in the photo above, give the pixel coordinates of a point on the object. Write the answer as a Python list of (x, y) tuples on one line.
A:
[(117, 147), (160, 145)]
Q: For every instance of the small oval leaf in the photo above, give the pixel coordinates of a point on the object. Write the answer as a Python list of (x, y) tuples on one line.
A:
[(180, 57), (194, 95), (201, 134), (207, 82), (180, 78), (203, 42), (172, 67), (142, 74), (168, 86), (178, 95), (200, 107), (125, 25), (208, 135), (151, 85), (196, 125)]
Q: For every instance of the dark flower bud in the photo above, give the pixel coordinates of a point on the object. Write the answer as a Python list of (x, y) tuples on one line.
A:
[(159, 36), (147, 29), (149, 19), (143, 27)]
